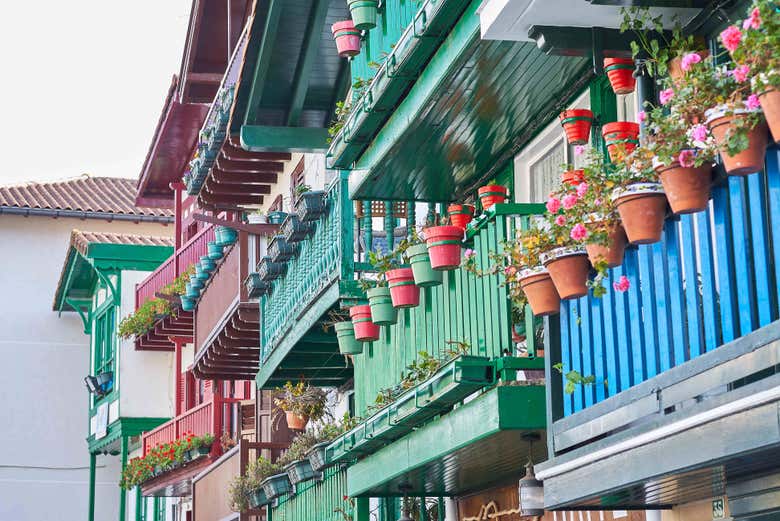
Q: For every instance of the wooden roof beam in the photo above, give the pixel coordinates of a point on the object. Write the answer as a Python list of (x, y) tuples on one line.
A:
[(222, 177), (311, 44)]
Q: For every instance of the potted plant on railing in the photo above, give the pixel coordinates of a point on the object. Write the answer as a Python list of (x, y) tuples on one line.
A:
[(245, 490), (576, 124), (268, 270), (444, 245), (329, 431), (363, 13), (365, 329), (295, 230), (620, 72), (310, 204), (301, 403), (527, 277), (280, 250), (491, 194), (415, 252), (347, 38), (461, 214), (345, 334), (294, 460), (256, 287), (379, 299), (760, 51)]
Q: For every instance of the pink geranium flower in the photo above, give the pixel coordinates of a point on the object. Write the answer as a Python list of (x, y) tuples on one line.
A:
[(553, 204), (622, 285), (686, 158), (578, 232), (752, 102), (579, 150), (699, 132), (560, 220), (666, 96), (689, 60), (753, 21), (582, 189), (740, 74), (469, 254), (569, 201), (731, 37), (641, 116)]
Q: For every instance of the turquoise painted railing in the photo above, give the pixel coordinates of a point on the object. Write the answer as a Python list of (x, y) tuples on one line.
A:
[(714, 277), (321, 260), (464, 308), (316, 499)]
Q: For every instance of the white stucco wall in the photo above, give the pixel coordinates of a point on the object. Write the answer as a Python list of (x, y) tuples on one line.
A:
[(146, 388), (44, 463)]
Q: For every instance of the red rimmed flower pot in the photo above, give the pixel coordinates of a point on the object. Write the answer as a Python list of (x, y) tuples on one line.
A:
[(403, 291), (576, 123), (460, 214), (770, 104), (444, 243), (612, 253), (347, 38), (642, 209), (573, 177), (620, 137), (687, 188), (540, 291), (721, 123), (296, 422), (569, 268), (492, 194), (620, 72), (365, 329)]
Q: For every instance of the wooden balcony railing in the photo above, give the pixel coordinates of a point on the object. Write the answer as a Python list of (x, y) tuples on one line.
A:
[(199, 420), (187, 255), (317, 499), (714, 277)]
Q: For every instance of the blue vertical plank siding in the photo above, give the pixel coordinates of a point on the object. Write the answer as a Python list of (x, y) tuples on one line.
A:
[(713, 277)]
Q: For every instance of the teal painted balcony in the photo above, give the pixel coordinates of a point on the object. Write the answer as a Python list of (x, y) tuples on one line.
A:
[(318, 499)]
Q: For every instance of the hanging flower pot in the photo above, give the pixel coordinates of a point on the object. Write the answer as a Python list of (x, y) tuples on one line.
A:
[(276, 485), (642, 209), (296, 422), (540, 291), (770, 104), (280, 250), (721, 122), (460, 214), (207, 264), (257, 498), (365, 329), (187, 303), (573, 177), (195, 282), (294, 230), (225, 236), (190, 291), (345, 334), (576, 123), (255, 287), (268, 270), (621, 137), (620, 72), (310, 205), (492, 194), (215, 250), (363, 13), (347, 38), (276, 217), (424, 275), (201, 274), (569, 268), (444, 244), (675, 69), (612, 253), (687, 188), (382, 311), (403, 291)]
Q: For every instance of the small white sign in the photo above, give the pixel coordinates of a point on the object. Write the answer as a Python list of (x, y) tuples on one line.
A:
[(618, 514), (718, 508), (101, 421)]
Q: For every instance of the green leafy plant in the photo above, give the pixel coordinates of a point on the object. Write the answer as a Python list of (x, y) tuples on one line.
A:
[(242, 486), (302, 399), (573, 378)]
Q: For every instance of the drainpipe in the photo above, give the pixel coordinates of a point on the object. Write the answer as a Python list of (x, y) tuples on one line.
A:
[(122, 493), (92, 465), (645, 90)]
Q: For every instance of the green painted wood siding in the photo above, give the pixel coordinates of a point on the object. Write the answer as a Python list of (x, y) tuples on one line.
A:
[(465, 308), (393, 18), (316, 500)]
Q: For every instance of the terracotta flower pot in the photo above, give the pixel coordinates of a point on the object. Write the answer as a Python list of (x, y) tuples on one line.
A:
[(403, 291), (296, 422), (675, 66), (770, 104), (620, 72), (492, 194), (363, 13), (613, 252), (540, 291), (424, 275), (576, 123), (444, 244), (573, 177), (569, 268), (687, 189), (625, 133), (642, 209), (365, 329), (345, 333), (460, 214), (382, 311), (750, 160), (347, 38)]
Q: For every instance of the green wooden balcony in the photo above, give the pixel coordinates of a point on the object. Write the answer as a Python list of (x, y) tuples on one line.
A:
[(315, 499)]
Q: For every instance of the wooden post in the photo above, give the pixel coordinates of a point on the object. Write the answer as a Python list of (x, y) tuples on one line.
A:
[(243, 264), (122, 493), (411, 218), (177, 189), (216, 413), (92, 465), (138, 512), (389, 226), (177, 345), (368, 236)]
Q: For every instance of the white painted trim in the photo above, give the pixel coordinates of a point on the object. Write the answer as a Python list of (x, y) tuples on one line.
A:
[(717, 413)]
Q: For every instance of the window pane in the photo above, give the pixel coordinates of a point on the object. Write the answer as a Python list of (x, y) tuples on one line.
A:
[(546, 172)]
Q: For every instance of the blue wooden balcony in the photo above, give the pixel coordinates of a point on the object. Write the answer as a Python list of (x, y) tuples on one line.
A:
[(684, 339)]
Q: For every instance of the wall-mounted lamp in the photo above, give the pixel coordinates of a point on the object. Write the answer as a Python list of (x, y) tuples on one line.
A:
[(531, 490)]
